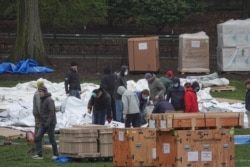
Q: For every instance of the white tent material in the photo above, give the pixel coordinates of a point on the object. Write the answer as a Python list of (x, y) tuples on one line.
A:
[(16, 104)]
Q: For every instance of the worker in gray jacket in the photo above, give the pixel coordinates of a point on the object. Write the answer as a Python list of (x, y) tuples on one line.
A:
[(130, 104)]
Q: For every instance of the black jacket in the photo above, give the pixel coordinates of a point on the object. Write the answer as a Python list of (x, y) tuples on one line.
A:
[(72, 81), (121, 81), (103, 102), (108, 81), (176, 94)]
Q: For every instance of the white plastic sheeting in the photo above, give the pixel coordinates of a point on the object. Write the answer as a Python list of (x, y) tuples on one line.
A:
[(16, 104)]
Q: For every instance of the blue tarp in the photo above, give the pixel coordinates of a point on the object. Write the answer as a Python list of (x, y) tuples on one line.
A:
[(23, 67), (242, 139)]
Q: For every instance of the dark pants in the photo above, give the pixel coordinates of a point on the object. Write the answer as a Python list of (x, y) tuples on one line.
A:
[(134, 119), (51, 133), (99, 116)]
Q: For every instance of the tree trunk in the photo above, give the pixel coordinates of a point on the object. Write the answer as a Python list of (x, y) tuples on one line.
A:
[(29, 41), (245, 9)]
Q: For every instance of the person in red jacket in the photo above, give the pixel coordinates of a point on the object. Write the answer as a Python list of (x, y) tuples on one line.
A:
[(190, 99)]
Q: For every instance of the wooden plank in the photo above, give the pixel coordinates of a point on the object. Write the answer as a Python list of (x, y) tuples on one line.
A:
[(194, 70), (225, 119), (188, 120), (222, 88)]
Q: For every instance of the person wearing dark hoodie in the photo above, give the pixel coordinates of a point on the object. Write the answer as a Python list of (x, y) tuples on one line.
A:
[(163, 106), (72, 81), (196, 87), (131, 110), (100, 103), (175, 95), (47, 124), (108, 84), (121, 81), (156, 88), (190, 99)]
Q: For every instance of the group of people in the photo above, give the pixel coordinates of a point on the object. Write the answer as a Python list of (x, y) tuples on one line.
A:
[(113, 101), (168, 95)]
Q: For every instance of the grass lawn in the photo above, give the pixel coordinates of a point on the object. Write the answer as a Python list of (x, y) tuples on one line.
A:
[(17, 154)]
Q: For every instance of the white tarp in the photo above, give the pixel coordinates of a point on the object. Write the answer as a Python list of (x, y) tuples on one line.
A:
[(16, 104)]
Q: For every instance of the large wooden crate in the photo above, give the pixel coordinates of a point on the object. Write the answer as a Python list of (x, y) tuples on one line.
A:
[(134, 147), (199, 148), (224, 119), (200, 120)]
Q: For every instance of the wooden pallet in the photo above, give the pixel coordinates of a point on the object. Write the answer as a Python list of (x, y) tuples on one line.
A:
[(194, 70), (222, 88)]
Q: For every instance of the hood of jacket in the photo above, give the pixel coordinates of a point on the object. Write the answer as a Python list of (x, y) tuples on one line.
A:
[(176, 80), (123, 69), (107, 70), (121, 90)]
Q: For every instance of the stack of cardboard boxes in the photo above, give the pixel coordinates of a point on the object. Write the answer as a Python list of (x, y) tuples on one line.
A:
[(86, 141)]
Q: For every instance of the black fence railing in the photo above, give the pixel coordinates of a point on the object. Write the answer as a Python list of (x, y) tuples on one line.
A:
[(88, 46)]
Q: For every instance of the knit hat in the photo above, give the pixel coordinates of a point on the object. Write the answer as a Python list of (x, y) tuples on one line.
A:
[(148, 75), (73, 63), (40, 84), (170, 73), (43, 88)]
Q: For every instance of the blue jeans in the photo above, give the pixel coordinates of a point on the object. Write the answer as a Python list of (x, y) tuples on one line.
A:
[(51, 133), (99, 116), (74, 92), (118, 110)]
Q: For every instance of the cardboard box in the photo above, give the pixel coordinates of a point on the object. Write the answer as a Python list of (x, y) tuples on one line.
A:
[(73, 146), (76, 133), (143, 54)]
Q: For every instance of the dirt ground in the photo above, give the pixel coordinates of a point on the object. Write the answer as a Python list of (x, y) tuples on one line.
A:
[(91, 69)]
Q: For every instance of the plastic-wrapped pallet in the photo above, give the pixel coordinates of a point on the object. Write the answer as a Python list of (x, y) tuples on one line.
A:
[(233, 51), (193, 53)]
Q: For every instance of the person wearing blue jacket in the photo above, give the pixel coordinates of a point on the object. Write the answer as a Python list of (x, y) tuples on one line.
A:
[(143, 97), (163, 106)]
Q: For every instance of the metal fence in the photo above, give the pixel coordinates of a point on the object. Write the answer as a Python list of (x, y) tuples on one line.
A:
[(88, 46)]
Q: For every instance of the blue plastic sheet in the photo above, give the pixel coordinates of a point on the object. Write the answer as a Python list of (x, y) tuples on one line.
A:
[(242, 139), (23, 67)]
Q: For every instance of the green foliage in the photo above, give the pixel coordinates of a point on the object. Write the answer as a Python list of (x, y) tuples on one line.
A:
[(161, 13), (8, 9), (72, 12)]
